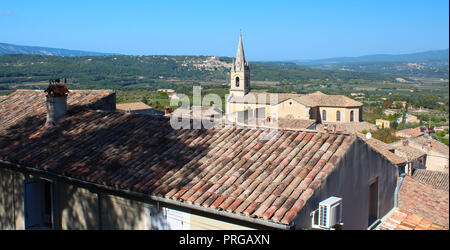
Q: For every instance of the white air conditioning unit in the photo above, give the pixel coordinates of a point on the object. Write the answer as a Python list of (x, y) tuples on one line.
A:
[(329, 213)]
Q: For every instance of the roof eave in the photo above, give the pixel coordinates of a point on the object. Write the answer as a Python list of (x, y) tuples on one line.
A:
[(76, 181)]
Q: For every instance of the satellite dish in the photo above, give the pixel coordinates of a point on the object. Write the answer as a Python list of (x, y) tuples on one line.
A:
[(368, 135)]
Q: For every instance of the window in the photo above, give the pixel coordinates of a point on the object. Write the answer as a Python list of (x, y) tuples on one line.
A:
[(338, 116), (166, 219), (324, 115), (237, 81), (38, 203), (352, 116)]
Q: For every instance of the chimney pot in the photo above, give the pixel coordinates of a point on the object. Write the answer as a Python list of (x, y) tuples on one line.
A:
[(56, 101)]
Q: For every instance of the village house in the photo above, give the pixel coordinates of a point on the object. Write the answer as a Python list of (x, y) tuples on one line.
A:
[(69, 160), (167, 90), (380, 123), (391, 111), (408, 159), (387, 150), (415, 158), (437, 158), (422, 203), (441, 128), (409, 119), (409, 132)]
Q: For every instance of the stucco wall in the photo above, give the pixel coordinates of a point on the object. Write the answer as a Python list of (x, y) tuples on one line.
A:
[(350, 181), (436, 161), (11, 200), (204, 223), (239, 107), (74, 207), (285, 109), (294, 109), (345, 114), (244, 79), (382, 123), (77, 208), (123, 214)]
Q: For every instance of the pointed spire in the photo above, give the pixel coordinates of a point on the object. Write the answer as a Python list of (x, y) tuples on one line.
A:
[(240, 57)]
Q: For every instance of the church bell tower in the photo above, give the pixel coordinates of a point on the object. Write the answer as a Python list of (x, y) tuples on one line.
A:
[(240, 73)]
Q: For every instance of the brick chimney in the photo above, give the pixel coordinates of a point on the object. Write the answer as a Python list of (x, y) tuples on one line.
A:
[(166, 110), (56, 100)]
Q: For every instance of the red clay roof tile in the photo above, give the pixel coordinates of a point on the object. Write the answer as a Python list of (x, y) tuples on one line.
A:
[(230, 169)]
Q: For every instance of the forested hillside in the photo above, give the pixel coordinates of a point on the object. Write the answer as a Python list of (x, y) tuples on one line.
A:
[(121, 71), (429, 64)]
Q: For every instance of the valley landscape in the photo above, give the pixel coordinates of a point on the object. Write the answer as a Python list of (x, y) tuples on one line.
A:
[(422, 78)]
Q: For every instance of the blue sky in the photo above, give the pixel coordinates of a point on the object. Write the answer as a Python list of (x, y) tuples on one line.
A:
[(272, 30)]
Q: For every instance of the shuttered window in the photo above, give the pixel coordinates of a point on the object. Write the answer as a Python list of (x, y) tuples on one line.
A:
[(38, 203)]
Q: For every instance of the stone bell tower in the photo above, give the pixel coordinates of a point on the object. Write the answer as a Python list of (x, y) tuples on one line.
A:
[(240, 73)]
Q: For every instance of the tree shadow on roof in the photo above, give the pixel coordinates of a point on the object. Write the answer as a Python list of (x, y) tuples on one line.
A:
[(131, 152)]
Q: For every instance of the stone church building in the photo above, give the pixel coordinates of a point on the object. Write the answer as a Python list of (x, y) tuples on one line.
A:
[(242, 105)]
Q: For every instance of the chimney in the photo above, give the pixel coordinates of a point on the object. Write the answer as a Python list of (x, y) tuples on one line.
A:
[(56, 100), (166, 110)]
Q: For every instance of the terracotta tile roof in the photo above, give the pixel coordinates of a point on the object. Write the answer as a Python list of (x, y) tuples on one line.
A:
[(295, 123), (425, 200), (399, 219), (408, 152), (437, 179), (198, 112), (348, 126), (256, 97), (132, 106), (26, 103), (312, 100), (230, 169), (430, 144), (138, 107), (384, 149), (320, 99), (410, 132), (282, 123)]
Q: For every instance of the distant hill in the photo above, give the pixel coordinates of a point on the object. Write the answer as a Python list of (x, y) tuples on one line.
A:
[(429, 64), (6, 48), (432, 55), (121, 71)]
